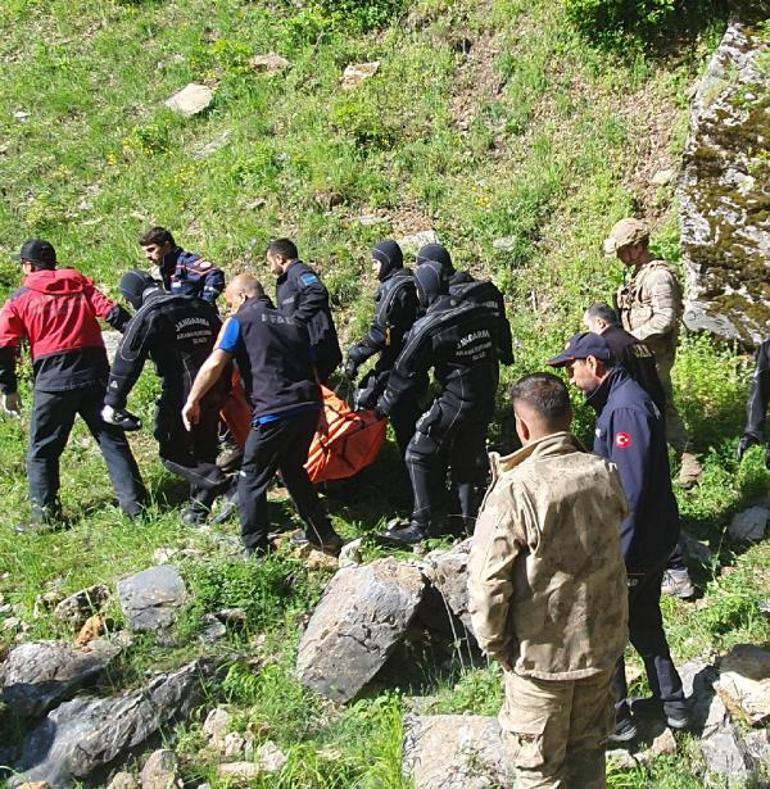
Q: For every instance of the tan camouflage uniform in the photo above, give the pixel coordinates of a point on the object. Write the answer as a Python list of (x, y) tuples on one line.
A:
[(548, 599)]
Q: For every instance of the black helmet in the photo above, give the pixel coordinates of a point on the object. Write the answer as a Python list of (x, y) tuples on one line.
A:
[(389, 254), (134, 285), (432, 281), (438, 254)]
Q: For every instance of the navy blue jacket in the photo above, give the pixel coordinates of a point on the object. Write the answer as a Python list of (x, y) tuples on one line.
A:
[(301, 295), (630, 432), (188, 274)]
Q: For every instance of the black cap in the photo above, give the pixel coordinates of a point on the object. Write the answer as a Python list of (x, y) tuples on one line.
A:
[(134, 284), (39, 252), (389, 255), (438, 254), (432, 281), (581, 346)]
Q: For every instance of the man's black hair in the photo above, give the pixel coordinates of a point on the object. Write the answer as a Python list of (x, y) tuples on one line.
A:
[(546, 394), (604, 312), (156, 235), (285, 248)]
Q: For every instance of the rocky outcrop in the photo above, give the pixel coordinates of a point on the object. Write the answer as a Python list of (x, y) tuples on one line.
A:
[(744, 682), (724, 192), (150, 599)]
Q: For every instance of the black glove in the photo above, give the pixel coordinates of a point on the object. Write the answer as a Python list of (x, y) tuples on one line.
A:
[(744, 445), (121, 418), (381, 408), (351, 369)]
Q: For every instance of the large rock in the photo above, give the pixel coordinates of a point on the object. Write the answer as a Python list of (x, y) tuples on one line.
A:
[(86, 733), (724, 193), (150, 599), (362, 615), (40, 674), (77, 608), (192, 99), (744, 682), (749, 524), (727, 758), (456, 752), (707, 710), (160, 770)]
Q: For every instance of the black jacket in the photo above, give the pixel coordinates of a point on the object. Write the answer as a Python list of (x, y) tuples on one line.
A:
[(177, 333), (301, 295), (759, 397)]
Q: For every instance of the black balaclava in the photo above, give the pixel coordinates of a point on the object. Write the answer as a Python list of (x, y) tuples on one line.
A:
[(431, 281), (389, 254), (438, 254), (133, 286)]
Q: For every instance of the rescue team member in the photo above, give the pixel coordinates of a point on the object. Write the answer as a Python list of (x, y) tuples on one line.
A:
[(182, 273), (463, 286), (546, 589), (301, 295), (639, 362), (177, 333), (56, 312), (650, 306), (756, 406), (395, 313), (458, 340), (273, 355), (630, 432)]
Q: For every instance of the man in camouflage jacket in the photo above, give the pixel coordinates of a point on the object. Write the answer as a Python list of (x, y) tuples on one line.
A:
[(547, 590)]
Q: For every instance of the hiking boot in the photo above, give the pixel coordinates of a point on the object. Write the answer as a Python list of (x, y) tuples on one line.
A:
[(677, 583), (229, 457), (625, 730), (675, 713), (42, 520), (230, 506), (690, 472), (195, 514), (401, 537), (329, 542)]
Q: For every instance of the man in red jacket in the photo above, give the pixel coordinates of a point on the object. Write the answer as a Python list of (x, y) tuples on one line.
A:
[(56, 312)]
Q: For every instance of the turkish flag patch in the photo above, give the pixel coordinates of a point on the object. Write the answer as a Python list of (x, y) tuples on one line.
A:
[(623, 440)]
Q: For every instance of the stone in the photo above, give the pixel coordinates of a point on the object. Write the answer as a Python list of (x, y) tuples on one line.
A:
[(505, 244), (150, 599), (447, 573), (271, 758), (663, 745), (456, 752), (95, 627), (219, 142), (726, 756), (758, 746), (744, 682), (160, 770), (363, 614), (235, 617), (351, 554), (749, 525), (370, 220), (356, 73), (217, 726), (764, 606), (234, 744), (722, 192), (193, 99), (38, 675), (164, 555), (663, 177), (695, 550), (269, 64), (123, 780), (621, 759), (707, 710), (240, 771), (77, 608), (85, 734), (414, 241), (213, 629)]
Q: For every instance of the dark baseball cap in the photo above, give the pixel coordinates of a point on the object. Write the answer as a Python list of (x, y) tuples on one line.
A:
[(38, 251), (581, 346)]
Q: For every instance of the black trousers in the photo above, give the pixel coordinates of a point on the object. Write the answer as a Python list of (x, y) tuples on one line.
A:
[(404, 417), (645, 625), (444, 440), (279, 446), (191, 455), (53, 415)]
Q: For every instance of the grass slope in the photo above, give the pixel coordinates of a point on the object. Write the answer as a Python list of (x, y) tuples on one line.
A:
[(486, 120)]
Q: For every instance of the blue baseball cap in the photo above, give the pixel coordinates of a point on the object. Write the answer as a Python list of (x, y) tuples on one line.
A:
[(581, 346)]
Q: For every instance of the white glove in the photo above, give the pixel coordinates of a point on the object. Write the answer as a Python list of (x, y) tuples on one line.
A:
[(12, 404), (108, 415)]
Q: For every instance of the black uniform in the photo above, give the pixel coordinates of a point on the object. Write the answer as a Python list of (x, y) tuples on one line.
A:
[(459, 342), (301, 294), (178, 334), (759, 398)]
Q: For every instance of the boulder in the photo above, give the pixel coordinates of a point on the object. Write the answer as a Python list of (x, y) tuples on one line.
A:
[(758, 746), (77, 608), (707, 710), (356, 73), (744, 682), (456, 752), (727, 759), (362, 615), (723, 192), (84, 734), (191, 100), (38, 675), (217, 726), (150, 599), (160, 770), (749, 525)]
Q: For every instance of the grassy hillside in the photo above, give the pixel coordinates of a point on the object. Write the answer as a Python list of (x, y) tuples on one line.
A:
[(487, 120)]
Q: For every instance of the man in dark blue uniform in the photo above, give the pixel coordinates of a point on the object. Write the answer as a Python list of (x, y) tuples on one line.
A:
[(182, 273), (177, 333), (273, 355), (301, 295), (630, 432), (395, 313), (756, 406), (457, 340)]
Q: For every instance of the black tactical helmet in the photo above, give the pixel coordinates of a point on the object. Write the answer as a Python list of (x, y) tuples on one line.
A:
[(390, 257), (432, 281)]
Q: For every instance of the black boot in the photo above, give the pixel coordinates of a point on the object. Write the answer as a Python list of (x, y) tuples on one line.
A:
[(42, 519), (401, 537)]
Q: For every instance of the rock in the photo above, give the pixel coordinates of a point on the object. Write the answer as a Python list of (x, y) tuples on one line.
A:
[(663, 745), (269, 64), (694, 550), (40, 674), (217, 726), (160, 771), (726, 756), (350, 553), (164, 555), (213, 629), (447, 573), (413, 242), (663, 177), (235, 617), (758, 746), (506, 244), (722, 192), (744, 682), (707, 709), (362, 615), (456, 752), (234, 744), (111, 342), (271, 758), (764, 606), (219, 142), (749, 524), (240, 771), (150, 599), (94, 627), (191, 100), (123, 780), (370, 220), (86, 733), (356, 73), (621, 759)]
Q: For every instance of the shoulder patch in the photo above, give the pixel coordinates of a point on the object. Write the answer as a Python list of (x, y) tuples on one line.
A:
[(308, 278), (623, 440)]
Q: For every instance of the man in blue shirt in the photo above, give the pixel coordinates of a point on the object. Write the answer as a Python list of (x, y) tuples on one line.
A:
[(273, 355)]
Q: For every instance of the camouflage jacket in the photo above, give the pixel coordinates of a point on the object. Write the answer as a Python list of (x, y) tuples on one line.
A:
[(650, 306), (546, 580)]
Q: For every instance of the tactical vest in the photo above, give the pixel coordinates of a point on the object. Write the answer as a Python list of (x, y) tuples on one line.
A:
[(481, 292)]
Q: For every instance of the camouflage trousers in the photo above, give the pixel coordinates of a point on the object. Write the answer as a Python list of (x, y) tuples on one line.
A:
[(676, 433), (558, 730)]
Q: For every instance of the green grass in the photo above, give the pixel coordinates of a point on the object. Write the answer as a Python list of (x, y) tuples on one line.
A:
[(546, 158)]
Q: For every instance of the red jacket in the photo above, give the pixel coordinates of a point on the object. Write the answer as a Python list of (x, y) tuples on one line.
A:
[(56, 311)]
